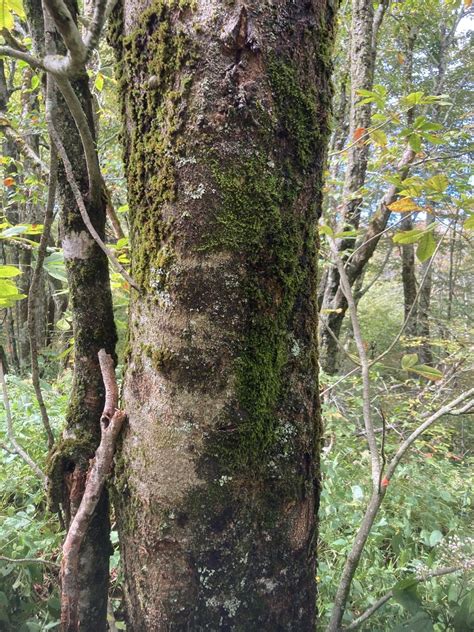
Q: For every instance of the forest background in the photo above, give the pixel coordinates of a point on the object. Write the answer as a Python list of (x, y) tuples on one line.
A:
[(396, 334)]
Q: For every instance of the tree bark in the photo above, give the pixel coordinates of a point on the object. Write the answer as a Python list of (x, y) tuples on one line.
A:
[(93, 329), (362, 62), (217, 486)]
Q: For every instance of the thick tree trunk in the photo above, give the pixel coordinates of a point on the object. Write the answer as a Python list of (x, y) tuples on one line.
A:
[(226, 116), (93, 328)]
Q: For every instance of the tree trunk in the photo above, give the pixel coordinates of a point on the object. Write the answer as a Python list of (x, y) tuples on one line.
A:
[(226, 120), (408, 250), (409, 282), (362, 63), (93, 329)]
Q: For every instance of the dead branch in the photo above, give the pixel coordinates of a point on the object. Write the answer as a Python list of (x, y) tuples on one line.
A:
[(111, 423)]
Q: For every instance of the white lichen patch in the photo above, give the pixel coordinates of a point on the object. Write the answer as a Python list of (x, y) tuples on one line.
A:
[(77, 245)]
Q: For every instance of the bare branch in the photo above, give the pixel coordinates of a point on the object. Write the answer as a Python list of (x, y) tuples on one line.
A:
[(102, 11), (28, 560), (364, 363), (82, 207), (67, 27), (34, 289), (383, 600), (96, 478)]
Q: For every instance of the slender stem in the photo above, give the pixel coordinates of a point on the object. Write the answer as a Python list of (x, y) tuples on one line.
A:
[(28, 560), (388, 595), (82, 207), (34, 292), (11, 434), (364, 363)]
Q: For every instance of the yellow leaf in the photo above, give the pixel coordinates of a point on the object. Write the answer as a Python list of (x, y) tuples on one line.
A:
[(405, 205), (468, 4)]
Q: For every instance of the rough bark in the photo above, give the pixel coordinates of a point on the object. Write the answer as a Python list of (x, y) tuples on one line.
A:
[(362, 63), (226, 116), (93, 327)]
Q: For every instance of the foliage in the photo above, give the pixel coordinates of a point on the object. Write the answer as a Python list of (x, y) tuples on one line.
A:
[(413, 533)]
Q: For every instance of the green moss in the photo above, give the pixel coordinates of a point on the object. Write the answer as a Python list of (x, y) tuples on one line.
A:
[(157, 51), (71, 452), (256, 218), (159, 357), (297, 110)]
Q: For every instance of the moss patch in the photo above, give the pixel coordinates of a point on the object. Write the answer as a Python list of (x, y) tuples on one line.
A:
[(154, 56)]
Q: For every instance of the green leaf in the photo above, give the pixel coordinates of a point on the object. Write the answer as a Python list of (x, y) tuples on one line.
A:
[(63, 325), (412, 99), (9, 271), (435, 537), (414, 140), (404, 205), (426, 371), (324, 229), (405, 594), (99, 82), (469, 223), (35, 81), (379, 137), (7, 8), (426, 247), (346, 234), (409, 361), (438, 183), (407, 236)]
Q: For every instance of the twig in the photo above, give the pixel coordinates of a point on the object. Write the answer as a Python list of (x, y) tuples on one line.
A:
[(28, 560), (35, 281), (82, 207), (364, 363), (111, 423), (10, 432), (383, 600), (22, 146)]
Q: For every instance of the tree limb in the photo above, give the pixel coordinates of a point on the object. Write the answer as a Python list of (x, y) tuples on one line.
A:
[(82, 207), (111, 423), (34, 291)]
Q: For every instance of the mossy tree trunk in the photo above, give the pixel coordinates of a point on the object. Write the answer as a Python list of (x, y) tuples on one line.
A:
[(226, 117), (90, 301)]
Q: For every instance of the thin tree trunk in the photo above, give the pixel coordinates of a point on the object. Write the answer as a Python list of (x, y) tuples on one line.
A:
[(93, 328), (408, 250), (364, 29), (226, 117)]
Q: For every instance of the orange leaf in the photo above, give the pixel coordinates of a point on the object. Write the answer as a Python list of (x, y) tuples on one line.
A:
[(468, 4), (9, 182), (359, 132), (401, 58)]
